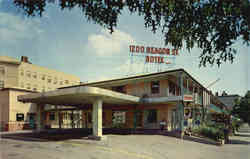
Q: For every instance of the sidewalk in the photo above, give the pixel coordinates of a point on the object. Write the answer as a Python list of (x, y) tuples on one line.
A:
[(16, 132)]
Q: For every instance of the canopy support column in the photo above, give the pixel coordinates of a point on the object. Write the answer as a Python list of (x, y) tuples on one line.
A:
[(72, 119), (97, 120), (39, 126), (180, 106)]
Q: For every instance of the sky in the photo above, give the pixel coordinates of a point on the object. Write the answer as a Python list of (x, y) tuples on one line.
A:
[(66, 41)]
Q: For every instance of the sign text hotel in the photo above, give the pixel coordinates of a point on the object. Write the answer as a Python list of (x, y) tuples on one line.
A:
[(162, 52)]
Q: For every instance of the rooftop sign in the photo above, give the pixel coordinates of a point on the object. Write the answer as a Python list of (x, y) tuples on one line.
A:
[(154, 54), (153, 50), (152, 58)]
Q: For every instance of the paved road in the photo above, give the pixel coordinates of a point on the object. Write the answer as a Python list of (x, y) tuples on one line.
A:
[(245, 128), (124, 147)]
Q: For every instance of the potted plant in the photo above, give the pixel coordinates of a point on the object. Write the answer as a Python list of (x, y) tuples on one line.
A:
[(222, 141), (221, 138)]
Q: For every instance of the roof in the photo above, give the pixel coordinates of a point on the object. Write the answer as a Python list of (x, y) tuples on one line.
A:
[(47, 71), (230, 95), (215, 100), (11, 60), (214, 109), (17, 89), (139, 77), (228, 100)]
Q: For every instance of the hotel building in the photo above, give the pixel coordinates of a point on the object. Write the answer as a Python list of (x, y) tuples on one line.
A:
[(19, 77), (138, 102)]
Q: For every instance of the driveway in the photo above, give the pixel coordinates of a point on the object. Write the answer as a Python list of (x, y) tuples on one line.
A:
[(124, 147)]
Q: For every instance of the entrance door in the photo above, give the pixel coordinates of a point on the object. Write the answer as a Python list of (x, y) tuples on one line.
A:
[(31, 118)]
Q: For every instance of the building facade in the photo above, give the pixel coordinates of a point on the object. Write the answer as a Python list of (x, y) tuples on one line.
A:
[(138, 102), (171, 96), (161, 96), (19, 77), (25, 75), (229, 100), (16, 115)]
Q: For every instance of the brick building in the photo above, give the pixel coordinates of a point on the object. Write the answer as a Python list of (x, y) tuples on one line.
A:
[(19, 77)]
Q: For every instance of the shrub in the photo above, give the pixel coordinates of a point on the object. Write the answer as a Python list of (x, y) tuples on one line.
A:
[(214, 132), (118, 125)]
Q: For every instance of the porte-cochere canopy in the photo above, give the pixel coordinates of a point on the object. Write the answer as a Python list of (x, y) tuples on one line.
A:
[(78, 96)]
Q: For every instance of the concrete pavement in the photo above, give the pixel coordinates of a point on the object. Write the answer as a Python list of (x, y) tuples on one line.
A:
[(244, 128), (126, 146)]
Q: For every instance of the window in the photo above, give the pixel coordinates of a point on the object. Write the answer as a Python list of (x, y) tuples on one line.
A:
[(52, 116), (49, 79), (19, 117), (151, 116), (43, 88), (28, 86), (35, 87), (55, 81), (1, 84), (89, 114), (139, 118), (76, 116), (34, 75), (31, 116), (171, 88), (65, 115), (2, 71), (119, 117), (72, 117), (66, 81), (43, 77), (103, 117), (21, 72), (200, 92), (28, 74), (155, 87)]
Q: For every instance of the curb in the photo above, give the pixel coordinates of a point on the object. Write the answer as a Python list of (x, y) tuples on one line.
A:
[(23, 138), (201, 140)]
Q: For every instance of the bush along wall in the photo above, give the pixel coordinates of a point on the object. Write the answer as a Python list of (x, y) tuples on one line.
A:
[(214, 133)]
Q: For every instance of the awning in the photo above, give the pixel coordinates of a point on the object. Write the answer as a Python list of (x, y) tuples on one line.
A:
[(214, 109), (226, 112)]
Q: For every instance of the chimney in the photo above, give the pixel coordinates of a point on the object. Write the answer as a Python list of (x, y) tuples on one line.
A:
[(24, 59), (224, 93), (217, 94), (211, 92)]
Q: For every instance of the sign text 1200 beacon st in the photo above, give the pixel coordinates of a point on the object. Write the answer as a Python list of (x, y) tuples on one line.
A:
[(153, 50)]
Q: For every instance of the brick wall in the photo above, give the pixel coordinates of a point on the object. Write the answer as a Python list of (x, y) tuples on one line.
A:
[(15, 126)]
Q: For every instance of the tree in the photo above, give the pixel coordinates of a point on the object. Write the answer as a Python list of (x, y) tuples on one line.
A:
[(242, 108), (212, 25)]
